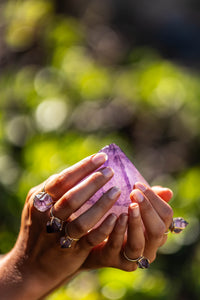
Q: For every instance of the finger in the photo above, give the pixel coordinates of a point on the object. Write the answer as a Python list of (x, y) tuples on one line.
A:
[(162, 208), (99, 234), (164, 193), (154, 225), (116, 238), (81, 225), (75, 197), (135, 236), (58, 184), (151, 248)]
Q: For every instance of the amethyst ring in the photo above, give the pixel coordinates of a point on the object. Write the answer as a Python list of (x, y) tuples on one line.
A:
[(42, 201), (66, 241), (143, 262), (55, 224), (177, 225)]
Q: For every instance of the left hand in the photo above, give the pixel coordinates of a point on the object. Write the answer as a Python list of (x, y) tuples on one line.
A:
[(149, 217)]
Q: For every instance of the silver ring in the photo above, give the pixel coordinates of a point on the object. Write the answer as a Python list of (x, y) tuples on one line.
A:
[(55, 224), (143, 262), (66, 241)]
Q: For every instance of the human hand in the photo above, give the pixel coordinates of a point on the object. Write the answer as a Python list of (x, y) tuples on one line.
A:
[(37, 264), (148, 218)]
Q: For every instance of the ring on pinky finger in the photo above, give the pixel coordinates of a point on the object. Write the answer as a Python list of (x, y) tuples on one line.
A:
[(142, 262)]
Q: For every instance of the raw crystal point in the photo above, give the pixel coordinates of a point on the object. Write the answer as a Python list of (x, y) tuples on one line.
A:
[(54, 225), (125, 176), (178, 225), (42, 201)]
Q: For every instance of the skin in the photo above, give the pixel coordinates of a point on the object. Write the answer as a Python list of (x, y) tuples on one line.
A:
[(37, 264)]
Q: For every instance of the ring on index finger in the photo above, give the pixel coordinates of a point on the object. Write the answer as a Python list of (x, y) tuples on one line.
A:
[(42, 200)]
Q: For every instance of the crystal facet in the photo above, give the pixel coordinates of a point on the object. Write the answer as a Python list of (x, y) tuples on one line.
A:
[(42, 201), (143, 263), (54, 225), (65, 242), (178, 225), (125, 176)]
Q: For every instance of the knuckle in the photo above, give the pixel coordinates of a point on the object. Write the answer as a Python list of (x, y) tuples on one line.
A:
[(168, 213), (158, 234), (90, 242), (70, 204), (130, 267), (137, 249), (57, 182), (80, 227)]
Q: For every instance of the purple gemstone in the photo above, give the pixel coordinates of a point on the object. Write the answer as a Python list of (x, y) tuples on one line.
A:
[(65, 243), (54, 225), (42, 201), (125, 176), (178, 225), (143, 263)]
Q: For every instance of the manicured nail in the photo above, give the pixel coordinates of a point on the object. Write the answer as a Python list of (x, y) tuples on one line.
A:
[(114, 192), (140, 186), (134, 210), (99, 158), (123, 219), (137, 195), (107, 172), (112, 219)]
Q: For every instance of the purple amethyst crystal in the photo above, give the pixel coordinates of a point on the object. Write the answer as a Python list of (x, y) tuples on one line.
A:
[(65, 242), (54, 225), (178, 225), (143, 263), (125, 176), (42, 201)]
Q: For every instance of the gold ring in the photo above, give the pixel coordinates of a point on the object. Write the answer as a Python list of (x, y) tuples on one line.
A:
[(66, 241), (143, 262)]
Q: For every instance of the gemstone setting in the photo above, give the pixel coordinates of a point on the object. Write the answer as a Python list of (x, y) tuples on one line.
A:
[(54, 225), (65, 242), (178, 224), (143, 263), (42, 201)]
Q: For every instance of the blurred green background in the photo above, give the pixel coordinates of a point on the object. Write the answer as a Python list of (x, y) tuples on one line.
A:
[(75, 76)]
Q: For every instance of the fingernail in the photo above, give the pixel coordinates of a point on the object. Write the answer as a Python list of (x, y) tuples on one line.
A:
[(114, 192), (140, 186), (134, 210), (99, 158), (107, 172), (137, 195), (123, 219), (112, 219)]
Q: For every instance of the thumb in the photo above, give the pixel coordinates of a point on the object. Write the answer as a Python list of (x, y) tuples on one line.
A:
[(164, 193)]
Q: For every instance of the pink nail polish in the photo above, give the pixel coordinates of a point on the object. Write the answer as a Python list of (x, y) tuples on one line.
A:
[(107, 172), (138, 196), (140, 186), (99, 158), (114, 192)]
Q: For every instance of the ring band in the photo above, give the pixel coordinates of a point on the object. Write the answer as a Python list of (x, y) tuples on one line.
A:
[(143, 262), (55, 224), (42, 200), (66, 241)]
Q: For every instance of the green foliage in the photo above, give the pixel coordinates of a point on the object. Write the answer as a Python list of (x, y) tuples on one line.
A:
[(67, 104)]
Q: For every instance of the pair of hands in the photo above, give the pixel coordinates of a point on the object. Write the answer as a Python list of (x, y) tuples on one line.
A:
[(37, 264)]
